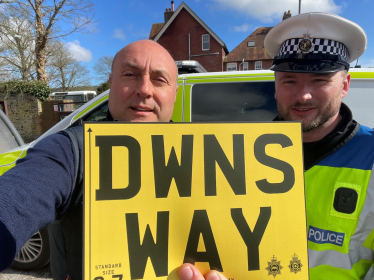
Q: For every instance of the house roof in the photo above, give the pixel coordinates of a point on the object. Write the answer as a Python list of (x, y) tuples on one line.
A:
[(251, 53), (156, 28), (165, 26)]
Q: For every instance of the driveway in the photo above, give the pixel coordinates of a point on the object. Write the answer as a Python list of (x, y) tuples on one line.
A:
[(12, 274)]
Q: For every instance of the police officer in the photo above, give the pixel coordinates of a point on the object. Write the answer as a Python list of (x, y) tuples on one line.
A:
[(312, 55)]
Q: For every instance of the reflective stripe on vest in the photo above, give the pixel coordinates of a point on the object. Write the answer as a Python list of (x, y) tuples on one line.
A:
[(341, 244)]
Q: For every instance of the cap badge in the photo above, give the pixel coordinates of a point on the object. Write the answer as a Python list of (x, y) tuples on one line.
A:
[(305, 45)]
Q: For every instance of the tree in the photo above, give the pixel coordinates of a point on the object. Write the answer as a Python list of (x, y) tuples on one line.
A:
[(103, 87), (5, 73), (52, 19), (16, 45), (64, 71), (103, 67)]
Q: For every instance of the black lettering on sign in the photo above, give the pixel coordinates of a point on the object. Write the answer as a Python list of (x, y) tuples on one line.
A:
[(140, 251), (163, 173), (201, 225), (252, 239), (235, 175), (285, 167), (105, 144)]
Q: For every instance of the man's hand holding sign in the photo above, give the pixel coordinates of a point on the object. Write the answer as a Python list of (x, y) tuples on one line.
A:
[(227, 197)]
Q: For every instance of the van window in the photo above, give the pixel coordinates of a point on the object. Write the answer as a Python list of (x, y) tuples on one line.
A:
[(90, 96), (241, 101), (98, 114), (58, 95), (7, 139), (74, 98)]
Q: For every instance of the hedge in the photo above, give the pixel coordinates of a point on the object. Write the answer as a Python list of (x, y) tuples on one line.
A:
[(103, 87), (33, 88)]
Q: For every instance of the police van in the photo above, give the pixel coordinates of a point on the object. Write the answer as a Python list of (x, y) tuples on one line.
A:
[(189, 66), (239, 96), (249, 96)]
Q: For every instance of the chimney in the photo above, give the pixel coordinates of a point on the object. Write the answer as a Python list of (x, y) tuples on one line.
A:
[(287, 15), (169, 12)]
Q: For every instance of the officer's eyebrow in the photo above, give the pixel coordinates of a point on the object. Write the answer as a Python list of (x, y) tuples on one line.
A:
[(323, 74), (293, 75)]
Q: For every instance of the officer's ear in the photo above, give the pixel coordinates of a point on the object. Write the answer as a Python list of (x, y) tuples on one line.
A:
[(346, 82)]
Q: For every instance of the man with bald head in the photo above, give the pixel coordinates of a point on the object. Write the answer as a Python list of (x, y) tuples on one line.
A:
[(143, 83), (47, 185)]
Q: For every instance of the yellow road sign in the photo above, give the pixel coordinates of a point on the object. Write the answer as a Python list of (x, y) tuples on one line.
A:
[(224, 196)]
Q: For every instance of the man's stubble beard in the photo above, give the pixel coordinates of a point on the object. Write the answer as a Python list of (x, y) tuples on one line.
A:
[(330, 111)]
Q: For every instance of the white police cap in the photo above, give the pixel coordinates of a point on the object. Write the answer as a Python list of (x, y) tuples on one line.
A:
[(315, 43)]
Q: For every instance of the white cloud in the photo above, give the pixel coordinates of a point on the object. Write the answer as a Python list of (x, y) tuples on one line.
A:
[(269, 10), (79, 53), (242, 28), (118, 33)]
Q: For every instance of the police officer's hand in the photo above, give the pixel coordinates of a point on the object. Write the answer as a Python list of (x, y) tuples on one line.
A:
[(189, 272)]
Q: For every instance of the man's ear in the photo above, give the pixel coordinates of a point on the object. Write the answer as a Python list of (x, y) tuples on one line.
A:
[(346, 82), (110, 80)]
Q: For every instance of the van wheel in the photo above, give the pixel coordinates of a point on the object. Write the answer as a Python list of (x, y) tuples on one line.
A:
[(35, 253)]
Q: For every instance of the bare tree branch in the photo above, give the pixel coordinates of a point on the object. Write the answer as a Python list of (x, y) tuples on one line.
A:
[(53, 19), (8, 1), (64, 71), (16, 43), (103, 67)]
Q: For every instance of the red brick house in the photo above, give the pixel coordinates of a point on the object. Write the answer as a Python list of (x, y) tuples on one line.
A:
[(187, 37), (252, 51)]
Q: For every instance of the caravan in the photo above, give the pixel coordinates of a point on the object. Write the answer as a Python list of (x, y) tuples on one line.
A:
[(75, 96)]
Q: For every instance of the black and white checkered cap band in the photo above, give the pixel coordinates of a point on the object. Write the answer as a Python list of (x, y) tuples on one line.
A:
[(320, 46)]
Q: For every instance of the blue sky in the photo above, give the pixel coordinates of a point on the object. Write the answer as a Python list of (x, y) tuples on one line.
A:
[(120, 22)]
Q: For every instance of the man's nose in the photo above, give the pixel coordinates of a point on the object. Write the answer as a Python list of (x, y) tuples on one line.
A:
[(145, 87), (304, 92)]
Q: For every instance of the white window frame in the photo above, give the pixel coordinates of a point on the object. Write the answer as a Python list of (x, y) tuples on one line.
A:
[(232, 66), (245, 66), (205, 38), (251, 44), (258, 65)]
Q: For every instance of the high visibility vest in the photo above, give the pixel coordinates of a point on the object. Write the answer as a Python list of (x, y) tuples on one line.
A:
[(339, 194)]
